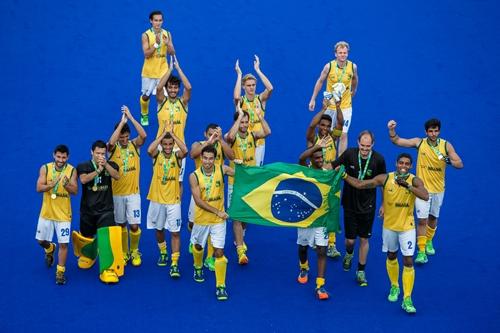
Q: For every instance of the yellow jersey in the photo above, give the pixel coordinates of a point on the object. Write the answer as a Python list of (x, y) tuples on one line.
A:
[(156, 65), (58, 209), (399, 204), (172, 111), (255, 124), (244, 150), (330, 151), (341, 75), (212, 192), (128, 160), (164, 188), (219, 159), (431, 166)]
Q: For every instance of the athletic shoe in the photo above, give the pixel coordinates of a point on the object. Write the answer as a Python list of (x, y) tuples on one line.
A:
[(393, 294), (421, 258), (210, 263), (136, 258), (347, 262), (162, 260), (190, 249), (144, 120), (60, 278), (303, 276), (242, 259), (245, 247), (321, 293), (361, 278), (49, 256), (429, 248), (198, 275), (108, 276), (174, 272), (126, 258), (407, 305), (221, 293), (332, 251)]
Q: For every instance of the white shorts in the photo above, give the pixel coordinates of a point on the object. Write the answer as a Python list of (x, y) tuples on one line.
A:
[(161, 216), (260, 151), (229, 194), (217, 232), (347, 113), (149, 86), (429, 207), (45, 230), (392, 240), (127, 208), (312, 236)]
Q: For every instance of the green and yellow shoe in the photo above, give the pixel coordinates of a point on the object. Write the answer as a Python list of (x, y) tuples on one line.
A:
[(221, 293), (162, 260), (174, 272), (421, 258), (361, 278), (393, 294), (407, 305), (210, 263), (144, 120), (429, 248)]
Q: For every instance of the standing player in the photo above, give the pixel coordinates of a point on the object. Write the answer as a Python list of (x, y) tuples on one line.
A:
[(164, 210), (336, 71), (313, 237), (56, 180), (97, 217), (243, 143), (172, 109), (156, 43), (359, 205), (126, 195), (400, 191), (207, 187), (434, 153), (213, 137), (252, 102), (319, 129)]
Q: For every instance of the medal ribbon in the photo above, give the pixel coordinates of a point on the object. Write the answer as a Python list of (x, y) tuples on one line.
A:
[(243, 146), (54, 174), (362, 174), (158, 50), (251, 111), (96, 178), (208, 182), (124, 154), (435, 149), (166, 166), (339, 79)]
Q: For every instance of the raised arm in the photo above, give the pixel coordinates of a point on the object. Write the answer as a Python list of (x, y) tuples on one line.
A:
[(88, 177), (226, 149), (146, 49), (112, 170), (417, 187), (231, 135), (186, 95), (195, 191), (237, 85), (355, 80), (409, 143), (318, 85), (41, 183), (306, 154), (264, 96), (364, 184), (197, 147), (183, 151), (141, 133), (167, 39), (339, 124), (266, 130), (114, 137), (153, 147), (71, 184), (160, 96), (311, 130), (227, 170)]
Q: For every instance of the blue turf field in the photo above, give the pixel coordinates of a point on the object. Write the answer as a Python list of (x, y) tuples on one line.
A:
[(68, 66)]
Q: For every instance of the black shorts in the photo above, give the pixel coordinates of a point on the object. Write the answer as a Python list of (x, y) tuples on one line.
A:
[(358, 225), (89, 223)]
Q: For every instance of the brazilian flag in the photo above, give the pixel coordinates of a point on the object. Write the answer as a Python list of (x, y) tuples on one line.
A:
[(286, 195)]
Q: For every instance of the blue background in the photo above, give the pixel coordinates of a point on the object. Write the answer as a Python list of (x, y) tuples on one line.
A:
[(68, 66)]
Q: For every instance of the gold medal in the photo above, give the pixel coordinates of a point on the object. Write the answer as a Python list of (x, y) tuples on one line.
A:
[(94, 188), (53, 196)]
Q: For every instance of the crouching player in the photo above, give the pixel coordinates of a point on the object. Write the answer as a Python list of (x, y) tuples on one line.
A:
[(57, 180), (207, 188), (400, 190)]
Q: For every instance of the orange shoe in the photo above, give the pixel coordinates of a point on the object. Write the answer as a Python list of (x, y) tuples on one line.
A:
[(322, 294), (303, 276)]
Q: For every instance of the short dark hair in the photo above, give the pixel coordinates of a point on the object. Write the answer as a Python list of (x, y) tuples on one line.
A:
[(167, 136), (406, 155), (125, 128), (237, 114), (326, 117), (174, 80), (155, 12), (211, 126), (98, 144), (61, 149), (432, 123), (209, 149), (367, 132)]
